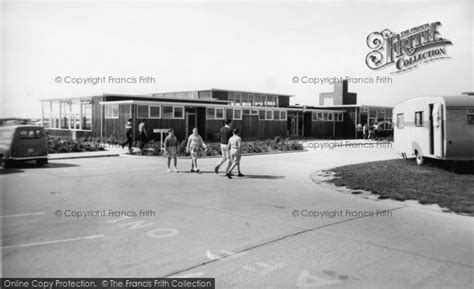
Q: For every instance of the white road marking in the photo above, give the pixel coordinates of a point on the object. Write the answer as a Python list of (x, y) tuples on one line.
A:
[(190, 275), (265, 268), (225, 253), (307, 280), (152, 233), (53, 242), (23, 215)]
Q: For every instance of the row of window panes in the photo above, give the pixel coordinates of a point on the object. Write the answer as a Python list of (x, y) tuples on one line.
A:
[(218, 113), (244, 99), (236, 114), (272, 115), (67, 115), (327, 116), (149, 111)]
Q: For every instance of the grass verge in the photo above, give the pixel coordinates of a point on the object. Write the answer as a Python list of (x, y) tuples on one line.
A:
[(404, 180)]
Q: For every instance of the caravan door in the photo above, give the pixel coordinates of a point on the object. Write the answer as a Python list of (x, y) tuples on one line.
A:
[(436, 129)]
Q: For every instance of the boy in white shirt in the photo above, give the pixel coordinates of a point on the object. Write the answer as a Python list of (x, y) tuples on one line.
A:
[(195, 143), (235, 152)]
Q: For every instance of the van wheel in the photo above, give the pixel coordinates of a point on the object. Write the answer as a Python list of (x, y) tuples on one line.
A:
[(7, 164), (420, 160)]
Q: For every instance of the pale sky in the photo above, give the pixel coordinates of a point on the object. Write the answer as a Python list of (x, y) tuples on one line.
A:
[(252, 46)]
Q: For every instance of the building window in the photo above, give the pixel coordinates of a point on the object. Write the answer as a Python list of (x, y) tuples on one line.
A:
[(210, 113), (340, 117), (219, 113), (372, 113), (142, 111), (314, 116), (258, 100), (237, 98), (261, 114), (167, 112), (246, 111), (276, 115), (400, 121), (470, 116), (330, 116), (418, 118), (229, 113), (320, 116), (231, 99), (245, 100), (253, 112), (268, 115), (111, 111), (251, 99), (178, 112), (237, 114), (86, 116), (264, 100), (283, 115), (154, 111)]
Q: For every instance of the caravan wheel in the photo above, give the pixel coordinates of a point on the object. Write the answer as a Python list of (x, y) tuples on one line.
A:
[(420, 160)]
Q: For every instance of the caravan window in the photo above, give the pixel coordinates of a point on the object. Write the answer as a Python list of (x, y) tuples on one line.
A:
[(470, 116), (400, 121), (419, 118)]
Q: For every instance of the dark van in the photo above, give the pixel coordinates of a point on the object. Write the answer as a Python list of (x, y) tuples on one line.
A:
[(23, 143)]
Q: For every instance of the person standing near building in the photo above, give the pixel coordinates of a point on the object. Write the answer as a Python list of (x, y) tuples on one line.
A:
[(376, 130), (128, 135), (143, 134), (359, 130), (365, 131), (171, 149), (225, 134), (371, 131), (235, 152), (195, 143)]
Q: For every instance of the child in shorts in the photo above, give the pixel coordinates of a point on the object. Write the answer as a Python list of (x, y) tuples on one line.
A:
[(171, 148), (195, 143), (235, 153)]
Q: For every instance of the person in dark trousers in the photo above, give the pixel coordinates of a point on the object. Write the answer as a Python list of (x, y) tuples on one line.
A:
[(143, 134), (128, 135), (224, 135)]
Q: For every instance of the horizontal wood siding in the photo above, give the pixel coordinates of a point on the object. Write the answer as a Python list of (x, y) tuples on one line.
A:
[(322, 129), (272, 128), (95, 109), (115, 127)]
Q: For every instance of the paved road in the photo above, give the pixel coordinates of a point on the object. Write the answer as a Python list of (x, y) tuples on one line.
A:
[(243, 231)]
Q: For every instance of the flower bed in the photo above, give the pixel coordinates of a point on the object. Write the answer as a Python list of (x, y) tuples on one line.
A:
[(59, 145)]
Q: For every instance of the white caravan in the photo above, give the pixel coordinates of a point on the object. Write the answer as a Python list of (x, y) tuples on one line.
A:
[(439, 127)]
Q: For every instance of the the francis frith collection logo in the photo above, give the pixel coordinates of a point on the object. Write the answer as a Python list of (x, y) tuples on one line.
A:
[(407, 49)]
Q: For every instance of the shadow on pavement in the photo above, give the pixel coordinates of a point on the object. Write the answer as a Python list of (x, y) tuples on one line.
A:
[(19, 167), (269, 177)]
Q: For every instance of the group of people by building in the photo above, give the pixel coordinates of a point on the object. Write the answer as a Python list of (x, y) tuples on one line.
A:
[(367, 131), (230, 146)]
